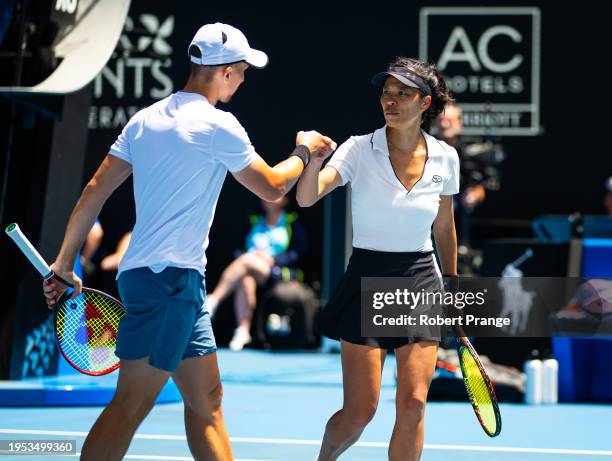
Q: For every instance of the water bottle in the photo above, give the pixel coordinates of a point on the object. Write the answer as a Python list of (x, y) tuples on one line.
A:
[(534, 377), (550, 384)]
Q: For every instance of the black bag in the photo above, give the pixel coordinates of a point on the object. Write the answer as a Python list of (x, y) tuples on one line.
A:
[(448, 385), (286, 317)]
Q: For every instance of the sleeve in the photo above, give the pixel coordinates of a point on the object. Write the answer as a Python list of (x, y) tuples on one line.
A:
[(231, 145), (345, 160), (121, 146), (451, 182)]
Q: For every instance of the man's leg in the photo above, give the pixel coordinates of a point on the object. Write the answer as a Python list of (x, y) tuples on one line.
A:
[(416, 364), (138, 386), (199, 381), (361, 375)]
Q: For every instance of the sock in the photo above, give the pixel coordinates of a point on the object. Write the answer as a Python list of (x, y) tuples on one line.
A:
[(211, 304)]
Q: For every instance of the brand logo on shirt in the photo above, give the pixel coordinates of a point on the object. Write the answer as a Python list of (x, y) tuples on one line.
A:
[(436, 178)]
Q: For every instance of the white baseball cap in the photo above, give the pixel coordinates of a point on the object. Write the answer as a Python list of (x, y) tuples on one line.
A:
[(222, 44)]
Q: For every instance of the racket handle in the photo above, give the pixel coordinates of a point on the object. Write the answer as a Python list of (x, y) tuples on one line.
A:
[(28, 250)]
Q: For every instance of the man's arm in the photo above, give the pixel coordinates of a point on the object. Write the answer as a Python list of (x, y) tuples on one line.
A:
[(271, 183), (111, 173)]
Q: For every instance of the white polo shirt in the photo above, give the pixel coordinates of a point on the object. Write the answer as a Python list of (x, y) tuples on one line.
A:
[(180, 149), (386, 216)]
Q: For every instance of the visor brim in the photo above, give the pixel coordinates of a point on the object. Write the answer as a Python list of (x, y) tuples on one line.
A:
[(380, 78)]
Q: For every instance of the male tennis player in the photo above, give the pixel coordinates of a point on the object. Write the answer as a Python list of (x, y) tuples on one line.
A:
[(179, 151)]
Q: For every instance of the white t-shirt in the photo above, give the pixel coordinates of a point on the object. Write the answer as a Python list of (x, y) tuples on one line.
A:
[(180, 149), (386, 216)]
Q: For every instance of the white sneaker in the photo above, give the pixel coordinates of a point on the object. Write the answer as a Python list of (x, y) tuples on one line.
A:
[(241, 338)]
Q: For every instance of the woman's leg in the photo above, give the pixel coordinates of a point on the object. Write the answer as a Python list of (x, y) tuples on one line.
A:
[(244, 306), (257, 271), (361, 374), (245, 301), (415, 367), (246, 264)]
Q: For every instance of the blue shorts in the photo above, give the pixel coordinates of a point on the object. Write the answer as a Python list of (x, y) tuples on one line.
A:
[(165, 318)]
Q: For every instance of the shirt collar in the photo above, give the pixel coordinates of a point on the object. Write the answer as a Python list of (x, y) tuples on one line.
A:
[(379, 142)]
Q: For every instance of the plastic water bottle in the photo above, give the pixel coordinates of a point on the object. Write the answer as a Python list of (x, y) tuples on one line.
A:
[(534, 377), (550, 384)]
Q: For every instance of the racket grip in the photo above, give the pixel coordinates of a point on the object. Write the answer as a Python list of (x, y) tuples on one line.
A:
[(28, 250)]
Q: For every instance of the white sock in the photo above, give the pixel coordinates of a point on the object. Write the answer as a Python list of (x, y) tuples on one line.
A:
[(211, 304)]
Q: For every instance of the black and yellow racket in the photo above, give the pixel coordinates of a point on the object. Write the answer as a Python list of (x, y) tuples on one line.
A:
[(479, 388), (85, 326)]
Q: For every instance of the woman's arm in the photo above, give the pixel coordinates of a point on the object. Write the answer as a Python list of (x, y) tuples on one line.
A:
[(446, 235), (316, 183)]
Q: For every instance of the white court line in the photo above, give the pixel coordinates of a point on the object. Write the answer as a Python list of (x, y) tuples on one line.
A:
[(172, 458), (145, 457), (546, 451)]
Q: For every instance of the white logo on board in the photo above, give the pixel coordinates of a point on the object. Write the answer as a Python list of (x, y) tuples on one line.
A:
[(140, 73), (157, 34), (490, 57), (479, 56)]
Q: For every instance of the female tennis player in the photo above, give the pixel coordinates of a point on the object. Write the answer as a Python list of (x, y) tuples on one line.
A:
[(402, 183)]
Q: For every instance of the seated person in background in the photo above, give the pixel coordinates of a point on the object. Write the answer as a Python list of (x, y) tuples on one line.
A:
[(479, 171), (275, 240), (111, 262), (477, 174), (91, 246), (83, 266)]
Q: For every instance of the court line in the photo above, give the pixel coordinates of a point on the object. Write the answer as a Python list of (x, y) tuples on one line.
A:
[(276, 441), (173, 458)]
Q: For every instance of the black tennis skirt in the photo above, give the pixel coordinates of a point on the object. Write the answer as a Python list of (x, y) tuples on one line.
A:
[(341, 317)]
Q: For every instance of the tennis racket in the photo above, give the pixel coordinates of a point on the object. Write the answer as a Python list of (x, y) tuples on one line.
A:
[(479, 388), (85, 326), (477, 382)]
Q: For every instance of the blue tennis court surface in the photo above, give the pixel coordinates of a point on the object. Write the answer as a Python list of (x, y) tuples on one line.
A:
[(276, 406)]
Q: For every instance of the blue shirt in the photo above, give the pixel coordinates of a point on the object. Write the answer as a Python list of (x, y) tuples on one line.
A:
[(271, 240)]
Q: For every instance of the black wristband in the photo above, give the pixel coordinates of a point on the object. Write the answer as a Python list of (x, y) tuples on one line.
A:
[(302, 152)]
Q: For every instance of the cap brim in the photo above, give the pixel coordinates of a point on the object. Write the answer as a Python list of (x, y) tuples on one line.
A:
[(380, 78), (257, 58)]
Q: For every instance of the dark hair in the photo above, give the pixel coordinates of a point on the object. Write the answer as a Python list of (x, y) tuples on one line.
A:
[(205, 70), (440, 96)]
